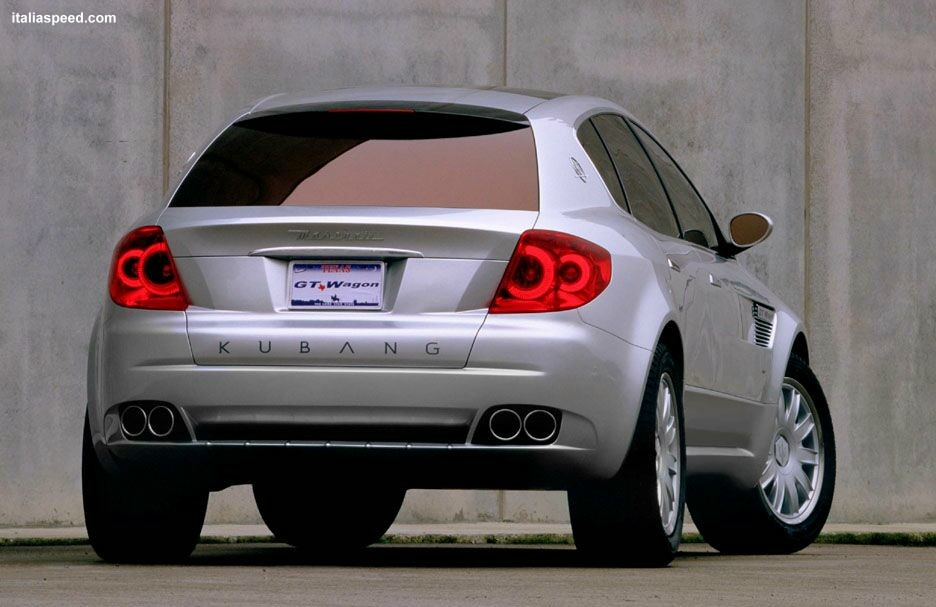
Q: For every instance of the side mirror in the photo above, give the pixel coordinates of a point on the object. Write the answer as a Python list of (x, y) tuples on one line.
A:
[(749, 229)]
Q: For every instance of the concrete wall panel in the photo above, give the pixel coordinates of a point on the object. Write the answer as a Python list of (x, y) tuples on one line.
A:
[(226, 54), (81, 128), (720, 83), (872, 238)]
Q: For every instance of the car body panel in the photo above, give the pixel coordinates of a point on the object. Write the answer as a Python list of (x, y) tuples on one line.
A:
[(504, 369), (507, 100), (590, 363)]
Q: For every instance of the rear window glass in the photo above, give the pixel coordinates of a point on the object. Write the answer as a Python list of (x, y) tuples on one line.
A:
[(361, 158)]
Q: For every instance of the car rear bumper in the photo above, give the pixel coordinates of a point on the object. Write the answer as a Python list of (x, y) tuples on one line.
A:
[(246, 422), (222, 464)]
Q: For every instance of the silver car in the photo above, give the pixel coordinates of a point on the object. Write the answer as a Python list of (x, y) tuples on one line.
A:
[(353, 293)]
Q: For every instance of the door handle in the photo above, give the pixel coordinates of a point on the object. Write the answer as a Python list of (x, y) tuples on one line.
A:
[(714, 281), (673, 265)]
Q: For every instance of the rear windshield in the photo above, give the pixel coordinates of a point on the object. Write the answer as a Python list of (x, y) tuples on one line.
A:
[(388, 158)]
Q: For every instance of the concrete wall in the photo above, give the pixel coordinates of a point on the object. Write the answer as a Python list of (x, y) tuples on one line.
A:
[(871, 251), (80, 157), (820, 114), (721, 83)]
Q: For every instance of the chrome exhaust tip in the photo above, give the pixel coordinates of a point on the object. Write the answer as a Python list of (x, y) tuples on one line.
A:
[(540, 425), (133, 421), (161, 421), (505, 424)]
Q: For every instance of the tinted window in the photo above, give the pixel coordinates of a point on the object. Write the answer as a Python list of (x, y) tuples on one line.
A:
[(399, 158), (596, 150), (689, 207), (645, 194)]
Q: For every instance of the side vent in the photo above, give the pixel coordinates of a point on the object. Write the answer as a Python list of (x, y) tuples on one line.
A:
[(765, 321)]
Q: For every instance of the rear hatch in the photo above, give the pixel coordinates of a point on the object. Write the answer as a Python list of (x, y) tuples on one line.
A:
[(351, 236)]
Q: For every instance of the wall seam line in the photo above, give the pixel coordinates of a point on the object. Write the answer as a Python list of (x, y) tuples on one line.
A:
[(807, 190), (167, 15), (501, 494), (504, 57)]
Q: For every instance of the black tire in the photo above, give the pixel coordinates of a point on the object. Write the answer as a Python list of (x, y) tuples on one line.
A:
[(739, 521), (328, 519), (618, 522), (138, 520)]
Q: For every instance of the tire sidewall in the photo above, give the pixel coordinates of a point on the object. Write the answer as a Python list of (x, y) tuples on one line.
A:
[(617, 522), (130, 520)]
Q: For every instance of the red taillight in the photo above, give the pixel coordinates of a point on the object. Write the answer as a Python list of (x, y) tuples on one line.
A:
[(552, 271), (143, 274), (371, 110)]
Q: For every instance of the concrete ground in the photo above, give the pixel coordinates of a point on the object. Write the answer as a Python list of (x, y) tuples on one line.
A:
[(416, 575), (402, 532)]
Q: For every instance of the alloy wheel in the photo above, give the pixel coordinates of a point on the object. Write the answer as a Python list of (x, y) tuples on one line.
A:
[(794, 468), (668, 456)]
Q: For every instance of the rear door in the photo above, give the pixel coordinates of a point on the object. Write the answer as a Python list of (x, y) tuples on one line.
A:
[(735, 365), (351, 236)]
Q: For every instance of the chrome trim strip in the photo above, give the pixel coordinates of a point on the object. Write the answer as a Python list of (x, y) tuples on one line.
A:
[(334, 252)]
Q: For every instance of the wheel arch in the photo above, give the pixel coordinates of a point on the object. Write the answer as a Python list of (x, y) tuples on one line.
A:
[(790, 339), (672, 339), (800, 348), (94, 369)]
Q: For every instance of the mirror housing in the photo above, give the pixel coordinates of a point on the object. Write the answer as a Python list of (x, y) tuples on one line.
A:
[(749, 229), (696, 237)]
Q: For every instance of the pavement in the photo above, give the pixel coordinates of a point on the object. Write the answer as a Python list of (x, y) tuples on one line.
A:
[(462, 532), (446, 575)]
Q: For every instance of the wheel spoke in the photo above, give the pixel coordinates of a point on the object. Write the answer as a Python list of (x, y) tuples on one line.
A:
[(792, 494), (807, 456), (667, 406), (768, 466), (765, 483), (673, 465), (800, 477), (803, 429), (795, 402), (665, 503), (778, 495)]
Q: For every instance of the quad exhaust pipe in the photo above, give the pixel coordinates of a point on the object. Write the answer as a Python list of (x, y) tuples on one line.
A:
[(540, 425), (506, 424), (161, 421), (133, 421), (157, 422)]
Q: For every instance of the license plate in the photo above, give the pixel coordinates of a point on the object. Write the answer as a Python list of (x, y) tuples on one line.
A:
[(336, 285)]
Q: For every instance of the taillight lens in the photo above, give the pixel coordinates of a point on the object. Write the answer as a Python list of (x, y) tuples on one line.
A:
[(143, 274), (552, 271)]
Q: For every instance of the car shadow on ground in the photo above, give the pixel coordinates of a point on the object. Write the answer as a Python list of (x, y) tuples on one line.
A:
[(432, 556)]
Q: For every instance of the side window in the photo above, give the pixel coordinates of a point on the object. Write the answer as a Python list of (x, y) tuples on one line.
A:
[(596, 150), (645, 194), (694, 218)]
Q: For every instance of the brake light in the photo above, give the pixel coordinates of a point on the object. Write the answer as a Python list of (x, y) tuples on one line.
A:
[(371, 110), (552, 271), (143, 274)]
